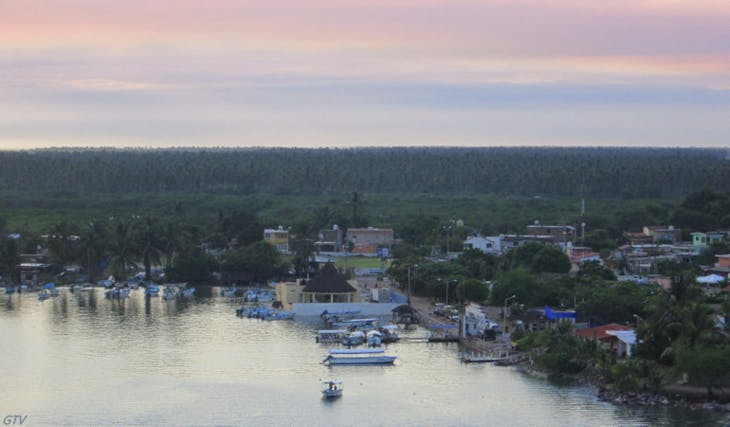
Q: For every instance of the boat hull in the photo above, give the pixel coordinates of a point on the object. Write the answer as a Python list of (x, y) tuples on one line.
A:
[(369, 360)]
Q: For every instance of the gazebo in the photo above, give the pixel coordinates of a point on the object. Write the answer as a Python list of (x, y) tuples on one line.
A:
[(404, 314), (328, 287)]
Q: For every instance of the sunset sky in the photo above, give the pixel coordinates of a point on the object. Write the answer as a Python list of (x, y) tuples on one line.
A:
[(312, 73)]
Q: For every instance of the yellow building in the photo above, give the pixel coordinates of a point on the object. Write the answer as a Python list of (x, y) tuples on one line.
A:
[(279, 238)]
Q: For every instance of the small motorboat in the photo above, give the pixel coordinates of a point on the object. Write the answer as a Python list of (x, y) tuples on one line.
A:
[(374, 338), (170, 292), (332, 389), (354, 338), (43, 295)]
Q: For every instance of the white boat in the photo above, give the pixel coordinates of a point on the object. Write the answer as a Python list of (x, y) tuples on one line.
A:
[(374, 338), (371, 356), (330, 335), (332, 389)]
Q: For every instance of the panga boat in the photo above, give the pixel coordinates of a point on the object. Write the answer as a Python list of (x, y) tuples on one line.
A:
[(354, 338), (371, 356), (332, 389), (330, 335)]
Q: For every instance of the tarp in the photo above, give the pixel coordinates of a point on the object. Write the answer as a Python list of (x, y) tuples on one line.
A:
[(711, 279), (552, 315), (49, 285)]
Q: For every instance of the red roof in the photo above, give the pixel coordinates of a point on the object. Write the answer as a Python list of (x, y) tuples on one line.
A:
[(599, 332)]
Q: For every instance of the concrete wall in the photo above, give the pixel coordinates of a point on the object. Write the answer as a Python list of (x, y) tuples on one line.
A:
[(366, 309)]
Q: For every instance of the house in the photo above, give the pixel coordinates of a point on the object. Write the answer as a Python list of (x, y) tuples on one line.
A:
[(559, 232), (368, 240), (289, 292), (581, 254), (702, 240), (330, 240), (488, 245), (370, 236), (279, 238), (613, 337), (721, 267), (663, 234)]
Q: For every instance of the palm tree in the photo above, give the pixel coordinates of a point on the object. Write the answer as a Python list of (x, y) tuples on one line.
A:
[(122, 249), (93, 247), (60, 243), (10, 257), (149, 243)]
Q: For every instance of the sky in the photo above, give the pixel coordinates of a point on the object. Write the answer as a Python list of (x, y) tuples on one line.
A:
[(344, 73)]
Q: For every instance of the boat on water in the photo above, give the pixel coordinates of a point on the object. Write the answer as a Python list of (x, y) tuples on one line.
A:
[(370, 356), (361, 324), (332, 389), (187, 293), (279, 315), (354, 338), (152, 291), (374, 338), (117, 293), (330, 335), (43, 295), (229, 292), (81, 288), (389, 333), (170, 292)]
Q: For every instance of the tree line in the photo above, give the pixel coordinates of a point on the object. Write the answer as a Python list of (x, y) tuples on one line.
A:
[(588, 172)]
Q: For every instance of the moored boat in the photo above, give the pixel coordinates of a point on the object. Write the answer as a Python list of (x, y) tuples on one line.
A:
[(170, 292), (374, 338), (354, 338), (330, 335), (152, 291), (372, 356)]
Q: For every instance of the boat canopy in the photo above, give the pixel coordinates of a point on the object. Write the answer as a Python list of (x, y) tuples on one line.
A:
[(357, 351), (49, 285), (332, 331)]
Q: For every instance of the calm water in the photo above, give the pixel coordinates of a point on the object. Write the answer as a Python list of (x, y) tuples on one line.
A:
[(80, 359)]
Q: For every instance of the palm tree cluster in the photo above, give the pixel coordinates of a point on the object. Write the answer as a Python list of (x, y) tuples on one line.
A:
[(119, 246)]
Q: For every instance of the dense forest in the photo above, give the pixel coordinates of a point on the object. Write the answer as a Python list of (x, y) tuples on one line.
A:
[(588, 172)]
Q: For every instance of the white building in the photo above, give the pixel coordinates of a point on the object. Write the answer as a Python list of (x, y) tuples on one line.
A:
[(489, 244)]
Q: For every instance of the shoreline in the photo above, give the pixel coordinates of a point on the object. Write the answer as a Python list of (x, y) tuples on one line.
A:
[(689, 397)]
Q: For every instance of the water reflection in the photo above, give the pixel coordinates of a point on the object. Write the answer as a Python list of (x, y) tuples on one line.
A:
[(97, 361)]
